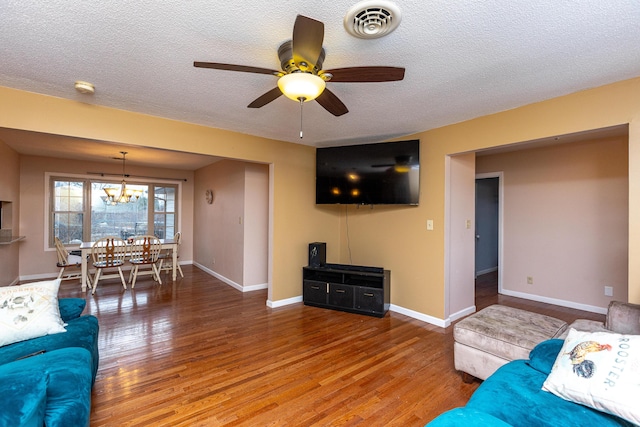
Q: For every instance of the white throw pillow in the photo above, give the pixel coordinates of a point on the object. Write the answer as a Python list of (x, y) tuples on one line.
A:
[(29, 311), (600, 370)]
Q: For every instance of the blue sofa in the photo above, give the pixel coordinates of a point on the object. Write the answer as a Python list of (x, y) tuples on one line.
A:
[(48, 380), (513, 396)]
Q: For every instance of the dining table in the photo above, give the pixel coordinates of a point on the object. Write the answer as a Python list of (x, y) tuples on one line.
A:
[(85, 248)]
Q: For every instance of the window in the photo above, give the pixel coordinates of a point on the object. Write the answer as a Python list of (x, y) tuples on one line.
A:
[(164, 208), (67, 213), (122, 220), (80, 211)]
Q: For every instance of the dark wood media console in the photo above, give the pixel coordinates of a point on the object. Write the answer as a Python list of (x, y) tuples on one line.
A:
[(363, 290)]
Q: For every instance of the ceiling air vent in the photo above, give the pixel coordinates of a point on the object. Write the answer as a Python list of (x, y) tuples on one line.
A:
[(372, 19)]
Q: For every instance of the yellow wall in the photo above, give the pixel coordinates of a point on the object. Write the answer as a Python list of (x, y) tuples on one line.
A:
[(398, 239), (395, 238)]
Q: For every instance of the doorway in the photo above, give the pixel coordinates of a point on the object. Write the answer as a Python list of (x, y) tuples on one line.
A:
[(488, 235)]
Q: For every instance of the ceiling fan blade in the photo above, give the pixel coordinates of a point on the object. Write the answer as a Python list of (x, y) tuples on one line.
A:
[(366, 74), (308, 35), (331, 103), (266, 98), (232, 67)]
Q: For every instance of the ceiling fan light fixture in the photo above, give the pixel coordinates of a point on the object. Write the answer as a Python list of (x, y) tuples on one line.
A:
[(301, 86)]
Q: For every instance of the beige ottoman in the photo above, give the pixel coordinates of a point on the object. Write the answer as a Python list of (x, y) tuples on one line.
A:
[(499, 334)]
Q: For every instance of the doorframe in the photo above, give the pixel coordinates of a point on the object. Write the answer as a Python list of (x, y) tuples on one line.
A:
[(500, 176)]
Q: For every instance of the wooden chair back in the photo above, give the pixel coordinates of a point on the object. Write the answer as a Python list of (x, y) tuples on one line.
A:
[(145, 250), (109, 251)]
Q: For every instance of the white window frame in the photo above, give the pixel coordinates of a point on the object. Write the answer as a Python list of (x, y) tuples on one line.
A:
[(48, 176)]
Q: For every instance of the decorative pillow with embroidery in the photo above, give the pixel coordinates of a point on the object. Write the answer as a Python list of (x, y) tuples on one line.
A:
[(29, 311), (600, 370)]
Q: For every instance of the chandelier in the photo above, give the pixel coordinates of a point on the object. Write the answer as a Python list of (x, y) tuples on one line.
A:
[(122, 194)]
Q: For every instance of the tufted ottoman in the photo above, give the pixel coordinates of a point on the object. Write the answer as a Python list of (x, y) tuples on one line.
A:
[(499, 334)]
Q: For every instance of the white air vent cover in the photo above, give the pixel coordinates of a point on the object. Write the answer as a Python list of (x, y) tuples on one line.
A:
[(371, 19)]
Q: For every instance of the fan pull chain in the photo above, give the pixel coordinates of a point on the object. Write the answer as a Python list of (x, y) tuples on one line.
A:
[(301, 102)]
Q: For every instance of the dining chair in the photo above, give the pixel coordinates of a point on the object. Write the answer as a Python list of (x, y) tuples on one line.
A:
[(108, 252), (167, 256), (68, 261), (145, 250)]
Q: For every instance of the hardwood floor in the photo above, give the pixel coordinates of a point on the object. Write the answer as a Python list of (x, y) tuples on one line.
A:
[(197, 352)]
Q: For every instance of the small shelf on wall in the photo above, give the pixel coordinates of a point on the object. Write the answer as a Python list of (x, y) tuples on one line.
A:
[(6, 220), (6, 214), (11, 239)]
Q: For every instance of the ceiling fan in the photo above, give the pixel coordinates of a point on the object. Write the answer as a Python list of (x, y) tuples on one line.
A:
[(302, 77)]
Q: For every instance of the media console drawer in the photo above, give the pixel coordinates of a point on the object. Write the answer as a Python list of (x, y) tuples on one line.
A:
[(315, 292), (365, 291), (369, 299)]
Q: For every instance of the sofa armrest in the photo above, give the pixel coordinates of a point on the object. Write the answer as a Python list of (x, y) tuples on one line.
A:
[(71, 308), (623, 318), (583, 325)]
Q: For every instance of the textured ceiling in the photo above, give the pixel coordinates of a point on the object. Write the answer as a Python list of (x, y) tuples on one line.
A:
[(463, 59)]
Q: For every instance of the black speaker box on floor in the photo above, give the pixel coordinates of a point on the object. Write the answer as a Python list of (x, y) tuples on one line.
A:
[(317, 254)]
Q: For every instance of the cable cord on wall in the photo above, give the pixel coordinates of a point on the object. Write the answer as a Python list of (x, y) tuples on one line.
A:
[(346, 220)]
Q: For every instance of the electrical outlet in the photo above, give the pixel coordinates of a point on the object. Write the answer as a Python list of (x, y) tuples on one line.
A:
[(608, 291), (529, 280)]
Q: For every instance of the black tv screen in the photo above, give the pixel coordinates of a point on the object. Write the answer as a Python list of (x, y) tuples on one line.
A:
[(370, 174)]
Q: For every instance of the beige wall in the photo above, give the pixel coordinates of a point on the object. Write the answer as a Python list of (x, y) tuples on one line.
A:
[(256, 225), (37, 261), (10, 192), (566, 216), (235, 226), (219, 225), (395, 238)]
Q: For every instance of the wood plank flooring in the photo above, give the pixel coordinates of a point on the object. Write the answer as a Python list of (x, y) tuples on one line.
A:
[(197, 352)]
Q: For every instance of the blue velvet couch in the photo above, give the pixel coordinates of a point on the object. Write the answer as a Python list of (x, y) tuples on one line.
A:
[(48, 380), (513, 396)]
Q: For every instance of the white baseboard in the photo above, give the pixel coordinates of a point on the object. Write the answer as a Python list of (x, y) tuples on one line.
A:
[(283, 302), (555, 301), (420, 316), (230, 282), (42, 276), (462, 313)]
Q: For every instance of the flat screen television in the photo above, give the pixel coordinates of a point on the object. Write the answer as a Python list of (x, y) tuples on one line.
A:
[(369, 174)]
